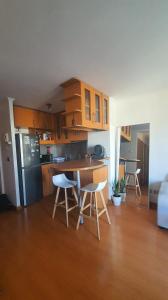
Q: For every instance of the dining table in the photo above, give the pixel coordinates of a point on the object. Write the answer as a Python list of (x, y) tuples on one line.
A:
[(77, 166), (125, 160)]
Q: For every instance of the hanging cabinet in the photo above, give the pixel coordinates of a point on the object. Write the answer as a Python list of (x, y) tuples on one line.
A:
[(85, 107)]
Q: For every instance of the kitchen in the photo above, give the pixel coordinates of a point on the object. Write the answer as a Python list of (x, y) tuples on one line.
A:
[(118, 48), (57, 136)]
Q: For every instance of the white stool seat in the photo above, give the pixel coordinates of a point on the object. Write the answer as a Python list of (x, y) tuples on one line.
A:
[(92, 189), (61, 181), (134, 173)]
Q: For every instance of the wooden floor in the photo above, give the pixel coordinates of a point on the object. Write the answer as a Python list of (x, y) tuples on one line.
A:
[(42, 259)]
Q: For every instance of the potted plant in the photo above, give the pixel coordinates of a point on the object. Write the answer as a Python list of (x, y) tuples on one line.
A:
[(123, 188), (116, 193)]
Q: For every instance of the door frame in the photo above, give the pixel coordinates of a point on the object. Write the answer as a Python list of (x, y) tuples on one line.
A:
[(117, 154)]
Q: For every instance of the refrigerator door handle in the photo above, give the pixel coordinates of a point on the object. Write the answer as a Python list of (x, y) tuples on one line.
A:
[(24, 188), (21, 150)]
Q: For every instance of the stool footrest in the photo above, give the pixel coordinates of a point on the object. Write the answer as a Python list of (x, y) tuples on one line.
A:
[(69, 209), (101, 212), (62, 202), (88, 205)]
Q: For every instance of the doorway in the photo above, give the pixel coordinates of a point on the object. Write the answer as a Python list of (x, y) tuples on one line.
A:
[(134, 155)]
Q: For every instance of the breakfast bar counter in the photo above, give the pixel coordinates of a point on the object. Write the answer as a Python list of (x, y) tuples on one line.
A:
[(78, 165), (85, 172)]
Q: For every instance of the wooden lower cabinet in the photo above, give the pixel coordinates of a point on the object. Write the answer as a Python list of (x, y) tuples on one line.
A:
[(96, 176), (48, 188)]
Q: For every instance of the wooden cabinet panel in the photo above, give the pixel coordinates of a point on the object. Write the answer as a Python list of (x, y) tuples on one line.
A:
[(87, 105), (23, 117), (97, 110), (30, 118), (48, 188), (105, 111), (61, 133)]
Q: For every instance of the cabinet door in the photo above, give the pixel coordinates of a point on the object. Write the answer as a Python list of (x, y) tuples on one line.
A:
[(105, 110), (23, 117), (97, 110), (43, 120), (87, 106), (62, 136)]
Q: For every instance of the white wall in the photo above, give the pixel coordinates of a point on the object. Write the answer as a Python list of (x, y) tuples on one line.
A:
[(8, 152), (151, 109)]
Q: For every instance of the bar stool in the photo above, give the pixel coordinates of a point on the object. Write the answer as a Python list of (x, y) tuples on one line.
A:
[(93, 189), (134, 175), (61, 181)]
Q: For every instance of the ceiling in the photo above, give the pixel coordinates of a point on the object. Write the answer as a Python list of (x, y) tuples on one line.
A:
[(118, 46)]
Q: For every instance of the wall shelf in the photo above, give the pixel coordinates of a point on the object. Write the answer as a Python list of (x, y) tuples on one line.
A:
[(72, 97)]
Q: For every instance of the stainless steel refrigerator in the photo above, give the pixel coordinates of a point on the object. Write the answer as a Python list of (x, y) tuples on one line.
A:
[(29, 168)]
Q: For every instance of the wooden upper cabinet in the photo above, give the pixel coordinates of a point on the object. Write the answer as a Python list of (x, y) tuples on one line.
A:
[(30, 118), (85, 107), (23, 117), (44, 120)]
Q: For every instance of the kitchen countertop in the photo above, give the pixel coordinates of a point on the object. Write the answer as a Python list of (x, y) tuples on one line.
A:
[(77, 165), (72, 161)]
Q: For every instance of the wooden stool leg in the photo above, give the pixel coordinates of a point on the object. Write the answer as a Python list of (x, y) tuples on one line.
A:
[(97, 217), (90, 204), (81, 210), (66, 207), (56, 201), (105, 207), (75, 195)]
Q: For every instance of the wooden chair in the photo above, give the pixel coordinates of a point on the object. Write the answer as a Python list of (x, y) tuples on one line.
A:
[(93, 189), (61, 181)]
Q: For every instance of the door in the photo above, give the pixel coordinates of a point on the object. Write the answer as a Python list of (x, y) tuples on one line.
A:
[(143, 156)]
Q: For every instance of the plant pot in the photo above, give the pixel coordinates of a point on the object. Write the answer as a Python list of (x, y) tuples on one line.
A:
[(117, 200), (123, 196)]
